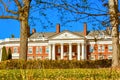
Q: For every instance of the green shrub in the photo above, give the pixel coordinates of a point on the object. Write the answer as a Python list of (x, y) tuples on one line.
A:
[(9, 54), (49, 64), (4, 54)]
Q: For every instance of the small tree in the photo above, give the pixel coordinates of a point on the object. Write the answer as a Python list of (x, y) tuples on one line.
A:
[(12, 36), (4, 54), (9, 54)]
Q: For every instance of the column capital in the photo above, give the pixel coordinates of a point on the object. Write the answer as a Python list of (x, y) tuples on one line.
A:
[(83, 43)]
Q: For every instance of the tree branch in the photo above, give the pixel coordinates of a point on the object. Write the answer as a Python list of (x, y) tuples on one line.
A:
[(9, 17), (6, 8), (18, 4), (74, 10)]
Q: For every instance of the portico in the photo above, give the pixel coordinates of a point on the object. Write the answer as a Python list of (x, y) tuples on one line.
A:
[(67, 46), (67, 51)]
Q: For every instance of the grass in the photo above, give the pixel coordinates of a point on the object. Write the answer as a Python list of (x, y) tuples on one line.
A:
[(60, 74)]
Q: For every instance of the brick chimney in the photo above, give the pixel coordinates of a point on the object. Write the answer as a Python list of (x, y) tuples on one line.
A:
[(33, 30), (85, 29), (58, 28)]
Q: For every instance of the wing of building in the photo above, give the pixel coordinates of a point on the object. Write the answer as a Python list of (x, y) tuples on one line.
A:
[(65, 45)]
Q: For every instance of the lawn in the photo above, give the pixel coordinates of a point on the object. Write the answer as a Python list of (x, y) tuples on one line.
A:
[(60, 74)]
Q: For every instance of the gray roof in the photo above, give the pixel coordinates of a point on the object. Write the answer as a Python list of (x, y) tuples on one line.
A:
[(50, 34), (79, 33), (38, 35), (98, 33)]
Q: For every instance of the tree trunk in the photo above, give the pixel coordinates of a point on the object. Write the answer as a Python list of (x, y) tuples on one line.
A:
[(113, 10), (23, 16), (23, 40)]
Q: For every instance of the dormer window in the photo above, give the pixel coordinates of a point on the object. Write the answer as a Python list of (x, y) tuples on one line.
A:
[(41, 36), (101, 34)]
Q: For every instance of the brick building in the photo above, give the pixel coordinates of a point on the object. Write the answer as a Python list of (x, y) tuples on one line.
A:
[(64, 45)]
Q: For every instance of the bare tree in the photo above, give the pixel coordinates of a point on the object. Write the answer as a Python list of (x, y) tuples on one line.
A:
[(20, 13), (114, 20)]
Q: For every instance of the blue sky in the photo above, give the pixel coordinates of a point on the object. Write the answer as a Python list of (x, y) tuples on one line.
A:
[(9, 26)]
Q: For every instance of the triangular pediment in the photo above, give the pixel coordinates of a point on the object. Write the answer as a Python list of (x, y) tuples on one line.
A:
[(66, 35)]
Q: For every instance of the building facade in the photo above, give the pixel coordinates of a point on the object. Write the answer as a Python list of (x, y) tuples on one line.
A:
[(65, 45)]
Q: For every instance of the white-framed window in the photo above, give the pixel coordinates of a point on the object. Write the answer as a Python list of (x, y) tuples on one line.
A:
[(99, 48), (47, 49), (40, 50), (59, 50), (109, 56), (100, 57), (15, 50), (37, 50), (91, 49), (15, 56), (30, 50), (92, 57), (103, 48), (110, 48), (38, 58), (30, 58), (46, 58)]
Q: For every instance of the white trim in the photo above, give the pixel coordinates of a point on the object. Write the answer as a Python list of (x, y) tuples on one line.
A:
[(65, 41), (92, 57), (109, 56), (100, 57), (109, 48), (38, 44), (31, 49), (15, 55), (11, 45), (37, 50), (66, 35), (14, 49), (30, 58), (101, 42), (38, 58)]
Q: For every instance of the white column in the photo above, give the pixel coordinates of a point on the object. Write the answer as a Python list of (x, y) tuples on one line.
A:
[(83, 51), (49, 55), (70, 51), (53, 52), (61, 51), (78, 51), (85, 54)]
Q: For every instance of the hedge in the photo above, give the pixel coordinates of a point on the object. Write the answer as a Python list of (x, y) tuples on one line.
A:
[(57, 64)]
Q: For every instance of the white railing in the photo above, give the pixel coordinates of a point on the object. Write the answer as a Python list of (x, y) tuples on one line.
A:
[(37, 39), (18, 39), (12, 39)]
